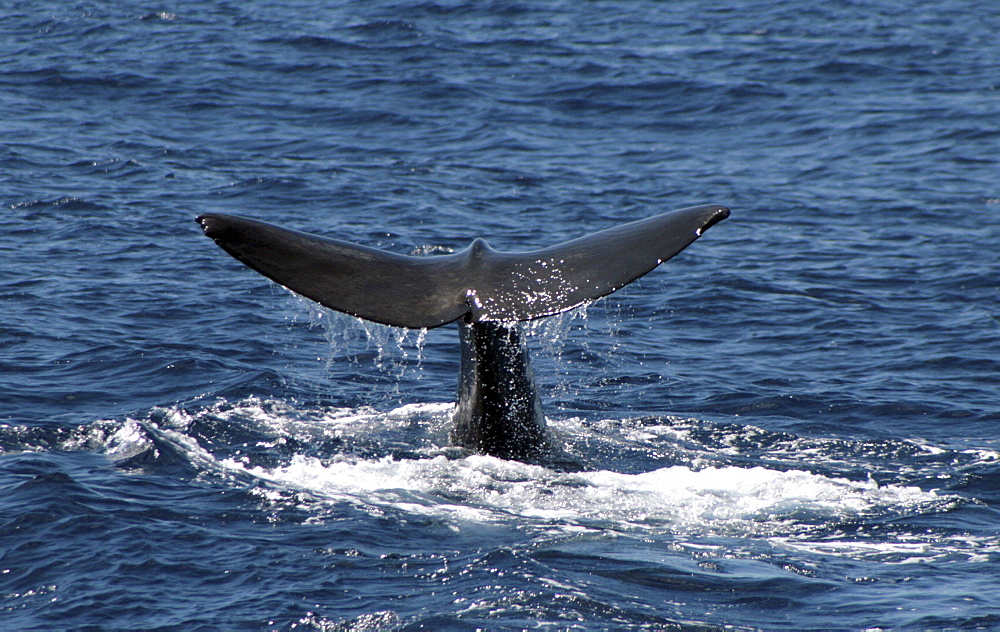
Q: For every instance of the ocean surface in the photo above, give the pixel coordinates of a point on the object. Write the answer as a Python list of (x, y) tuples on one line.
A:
[(795, 424)]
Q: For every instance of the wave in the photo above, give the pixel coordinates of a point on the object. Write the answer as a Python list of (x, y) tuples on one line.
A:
[(695, 478)]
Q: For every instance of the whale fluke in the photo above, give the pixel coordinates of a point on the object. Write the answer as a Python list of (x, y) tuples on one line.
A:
[(498, 410), (478, 283)]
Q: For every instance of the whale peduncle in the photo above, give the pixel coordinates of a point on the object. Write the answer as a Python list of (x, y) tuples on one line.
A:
[(498, 410)]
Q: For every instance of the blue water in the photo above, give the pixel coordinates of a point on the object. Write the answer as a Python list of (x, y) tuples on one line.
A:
[(792, 425)]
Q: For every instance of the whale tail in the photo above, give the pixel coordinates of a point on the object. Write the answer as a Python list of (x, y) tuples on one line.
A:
[(498, 411), (478, 284)]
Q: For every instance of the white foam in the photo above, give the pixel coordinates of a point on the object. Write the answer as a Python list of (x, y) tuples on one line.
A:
[(793, 509), (489, 489), (899, 548), (128, 441), (689, 498)]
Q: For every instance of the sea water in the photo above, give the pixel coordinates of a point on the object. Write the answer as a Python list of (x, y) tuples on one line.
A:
[(792, 425)]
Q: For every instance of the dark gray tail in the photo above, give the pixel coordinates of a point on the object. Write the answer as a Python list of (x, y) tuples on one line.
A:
[(498, 410), (478, 283)]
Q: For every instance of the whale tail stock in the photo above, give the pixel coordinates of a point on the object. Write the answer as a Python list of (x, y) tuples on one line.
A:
[(485, 290)]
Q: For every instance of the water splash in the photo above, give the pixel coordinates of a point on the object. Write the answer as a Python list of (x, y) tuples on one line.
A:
[(694, 498), (397, 352), (553, 332), (721, 500)]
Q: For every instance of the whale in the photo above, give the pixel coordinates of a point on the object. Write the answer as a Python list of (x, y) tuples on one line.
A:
[(486, 292)]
